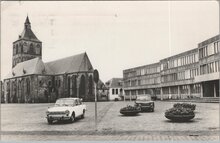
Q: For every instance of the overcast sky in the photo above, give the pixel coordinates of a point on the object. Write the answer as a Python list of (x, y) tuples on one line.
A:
[(116, 35)]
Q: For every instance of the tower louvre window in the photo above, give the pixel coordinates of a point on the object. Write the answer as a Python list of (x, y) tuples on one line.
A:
[(32, 51)]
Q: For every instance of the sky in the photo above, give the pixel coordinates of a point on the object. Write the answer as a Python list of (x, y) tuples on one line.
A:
[(115, 35)]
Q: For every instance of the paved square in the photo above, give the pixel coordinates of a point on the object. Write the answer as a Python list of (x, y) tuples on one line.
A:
[(28, 122)]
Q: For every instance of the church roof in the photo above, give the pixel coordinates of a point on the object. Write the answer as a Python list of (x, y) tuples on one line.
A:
[(76, 63), (33, 66), (27, 33)]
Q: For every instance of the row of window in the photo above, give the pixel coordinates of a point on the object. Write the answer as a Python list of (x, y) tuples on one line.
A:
[(116, 91), (22, 84), (144, 81), (140, 92), (24, 49), (180, 75), (185, 89), (144, 71), (210, 68), (189, 59), (194, 72), (210, 49), (204, 69)]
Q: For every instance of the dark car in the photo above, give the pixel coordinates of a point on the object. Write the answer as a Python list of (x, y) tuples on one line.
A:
[(145, 103)]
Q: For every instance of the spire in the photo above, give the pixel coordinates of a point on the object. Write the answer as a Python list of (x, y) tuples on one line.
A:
[(27, 23), (27, 32), (27, 20)]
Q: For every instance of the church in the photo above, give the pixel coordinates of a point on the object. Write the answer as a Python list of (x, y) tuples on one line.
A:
[(33, 81)]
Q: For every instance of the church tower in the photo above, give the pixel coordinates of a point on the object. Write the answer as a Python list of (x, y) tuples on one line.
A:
[(27, 46)]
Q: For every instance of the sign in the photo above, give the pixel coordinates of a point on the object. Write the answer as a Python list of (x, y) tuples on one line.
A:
[(96, 76)]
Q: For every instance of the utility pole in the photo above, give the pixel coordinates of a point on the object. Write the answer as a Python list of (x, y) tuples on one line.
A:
[(96, 80)]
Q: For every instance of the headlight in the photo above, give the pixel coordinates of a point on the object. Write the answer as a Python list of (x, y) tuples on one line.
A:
[(47, 112), (67, 112)]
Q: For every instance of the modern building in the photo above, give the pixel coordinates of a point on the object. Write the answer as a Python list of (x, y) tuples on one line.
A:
[(142, 80), (32, 81), (115, 89), (191, 74)]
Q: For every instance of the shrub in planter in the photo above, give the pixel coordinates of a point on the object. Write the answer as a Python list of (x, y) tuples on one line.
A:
[(179, 114), (130, 110), (185, 105)]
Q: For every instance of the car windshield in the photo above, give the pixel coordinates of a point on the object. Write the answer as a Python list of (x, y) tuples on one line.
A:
[(143, 98), (65, 102)]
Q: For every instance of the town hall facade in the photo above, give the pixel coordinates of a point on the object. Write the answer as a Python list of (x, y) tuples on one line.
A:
[(33, 81)]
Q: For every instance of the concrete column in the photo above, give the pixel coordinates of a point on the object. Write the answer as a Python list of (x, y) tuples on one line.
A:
[(189, 90), (130, 95), (179, 94), (214, 90), (170, 95), (161, 93), (201, 90)]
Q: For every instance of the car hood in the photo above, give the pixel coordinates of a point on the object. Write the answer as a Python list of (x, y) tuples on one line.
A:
[(144, 101), (59, 108)]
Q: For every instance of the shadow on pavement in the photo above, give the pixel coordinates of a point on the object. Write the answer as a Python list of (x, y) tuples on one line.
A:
[(190, 121)]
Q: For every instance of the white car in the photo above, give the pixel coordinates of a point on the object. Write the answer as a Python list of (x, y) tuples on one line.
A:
[(66, 109)]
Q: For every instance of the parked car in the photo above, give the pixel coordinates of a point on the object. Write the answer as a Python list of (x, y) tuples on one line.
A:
[(145, 103), (66, 109)]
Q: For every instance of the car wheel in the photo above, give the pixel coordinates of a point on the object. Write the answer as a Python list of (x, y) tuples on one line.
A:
[(83, 115), (152, 110), (72, 118), (50, 121)]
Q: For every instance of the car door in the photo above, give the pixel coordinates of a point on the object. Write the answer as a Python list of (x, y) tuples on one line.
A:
[(76, 108), (80, 107)]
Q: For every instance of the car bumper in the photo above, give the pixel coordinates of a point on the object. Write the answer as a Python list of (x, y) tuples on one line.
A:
[(58, 117)]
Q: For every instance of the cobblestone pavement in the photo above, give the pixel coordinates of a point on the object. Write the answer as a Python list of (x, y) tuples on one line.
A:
[(28, 122)]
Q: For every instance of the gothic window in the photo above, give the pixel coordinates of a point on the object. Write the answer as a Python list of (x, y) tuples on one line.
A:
[(21, 48), (74, 86), (59, 83), (16, 49), (28, 85), (25, 47), (38, 49), (90, 85), (49, 83), (40, 82), (69, 87), (32, 51), (82, 86), (14, 93)]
